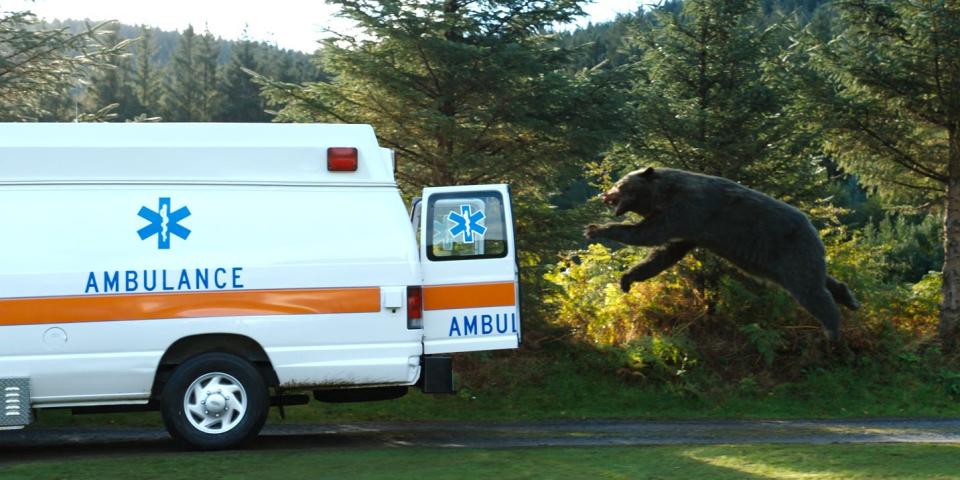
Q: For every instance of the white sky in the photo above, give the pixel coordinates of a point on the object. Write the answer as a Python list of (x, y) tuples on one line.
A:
[(288, 23)]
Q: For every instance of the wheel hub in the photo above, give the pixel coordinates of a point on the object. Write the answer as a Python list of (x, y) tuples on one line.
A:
[(215, 403)]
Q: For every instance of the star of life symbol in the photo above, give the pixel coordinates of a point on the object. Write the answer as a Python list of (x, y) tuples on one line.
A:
[(163, 223), (467, 223)]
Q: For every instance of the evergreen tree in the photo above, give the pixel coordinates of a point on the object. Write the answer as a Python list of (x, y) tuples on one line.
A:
[(183, 88), (705, 103), (886, 91), (241, 96), (39, 68), (606, 45), (208, 54), (145, 78), (466, 92), (111, 85)]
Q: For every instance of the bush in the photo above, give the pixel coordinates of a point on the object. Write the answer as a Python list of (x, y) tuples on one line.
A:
[(677, 327), (913, 246), (590, 303)]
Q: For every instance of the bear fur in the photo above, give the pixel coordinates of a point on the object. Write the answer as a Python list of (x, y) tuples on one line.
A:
[(762, 235)]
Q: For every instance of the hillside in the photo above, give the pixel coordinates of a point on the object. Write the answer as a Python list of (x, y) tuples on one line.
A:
[(197, 80), (609, 43)]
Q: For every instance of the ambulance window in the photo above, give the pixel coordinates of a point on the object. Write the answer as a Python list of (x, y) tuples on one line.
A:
[(463, 226)]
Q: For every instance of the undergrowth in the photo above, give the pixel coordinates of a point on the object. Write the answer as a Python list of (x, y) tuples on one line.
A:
[(706, 329)]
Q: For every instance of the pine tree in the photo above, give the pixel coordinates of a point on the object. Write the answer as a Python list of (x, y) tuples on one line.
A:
[(208, 54), (705, 103), (145, 76), (111, 85), (39, 68), (466, 93), (241, 96), (182, 90), (886, 93)]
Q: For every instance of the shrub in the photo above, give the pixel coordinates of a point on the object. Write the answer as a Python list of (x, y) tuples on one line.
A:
[(590, 303), (675, 326)]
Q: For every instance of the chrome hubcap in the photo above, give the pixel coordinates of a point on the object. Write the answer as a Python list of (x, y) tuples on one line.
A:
[(215, 403)]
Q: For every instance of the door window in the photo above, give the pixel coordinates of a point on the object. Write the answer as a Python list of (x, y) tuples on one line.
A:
[(464, 226)]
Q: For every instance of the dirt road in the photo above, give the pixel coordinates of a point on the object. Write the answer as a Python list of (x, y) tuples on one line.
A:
[(41, 443)]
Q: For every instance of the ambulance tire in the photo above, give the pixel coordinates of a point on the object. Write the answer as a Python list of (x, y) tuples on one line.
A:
[(243, 384)]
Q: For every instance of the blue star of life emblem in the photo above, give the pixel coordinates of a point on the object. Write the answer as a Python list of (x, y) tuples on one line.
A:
[(467, 223), (163, 223)]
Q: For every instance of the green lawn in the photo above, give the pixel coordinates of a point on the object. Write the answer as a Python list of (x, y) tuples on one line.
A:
[(714, 462)]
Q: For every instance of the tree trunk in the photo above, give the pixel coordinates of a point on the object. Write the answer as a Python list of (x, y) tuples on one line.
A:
[(950, 309)]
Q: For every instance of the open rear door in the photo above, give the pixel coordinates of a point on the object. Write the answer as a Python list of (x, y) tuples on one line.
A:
[(470, 291)]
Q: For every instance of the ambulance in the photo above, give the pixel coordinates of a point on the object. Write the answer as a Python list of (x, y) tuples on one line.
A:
[(211, 271)]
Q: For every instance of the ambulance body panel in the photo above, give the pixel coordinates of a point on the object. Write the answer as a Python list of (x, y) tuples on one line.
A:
[(171, 153), (120, 242)]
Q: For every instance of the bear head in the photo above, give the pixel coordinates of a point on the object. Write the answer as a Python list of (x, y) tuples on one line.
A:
[(635, 192)]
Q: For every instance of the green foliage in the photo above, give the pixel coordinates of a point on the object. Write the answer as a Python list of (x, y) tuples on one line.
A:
[(767, 341), (38, 66), (639, 330), (912, 245), (704, 101), (146, 74), (951, 382), (208, 53), (659, 357), (111, 84), (590, 303), (138, 78), (190, 93), (883, 93), (744, 328), (604, 45), (883, 89), (241, 97), (463, 94)]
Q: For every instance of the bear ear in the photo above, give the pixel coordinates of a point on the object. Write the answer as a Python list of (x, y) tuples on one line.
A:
[(647, 172)]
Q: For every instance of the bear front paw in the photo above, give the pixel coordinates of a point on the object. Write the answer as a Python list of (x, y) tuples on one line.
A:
[(592, 231), (625, 282)]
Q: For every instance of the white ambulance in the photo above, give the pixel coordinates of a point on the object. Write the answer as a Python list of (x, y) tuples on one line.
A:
[(212, 270)]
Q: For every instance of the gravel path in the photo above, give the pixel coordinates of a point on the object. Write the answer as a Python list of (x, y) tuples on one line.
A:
[(46, 443)]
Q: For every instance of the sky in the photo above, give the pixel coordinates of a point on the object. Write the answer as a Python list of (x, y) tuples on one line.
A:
[(293, 24)]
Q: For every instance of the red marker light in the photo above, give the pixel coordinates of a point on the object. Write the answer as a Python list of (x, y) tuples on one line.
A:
[(342, 159), (414, 307)]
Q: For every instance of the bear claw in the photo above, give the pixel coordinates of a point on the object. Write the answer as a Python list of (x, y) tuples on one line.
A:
[(591, 231)]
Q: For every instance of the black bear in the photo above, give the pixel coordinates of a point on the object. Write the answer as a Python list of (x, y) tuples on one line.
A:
[(761, 235)]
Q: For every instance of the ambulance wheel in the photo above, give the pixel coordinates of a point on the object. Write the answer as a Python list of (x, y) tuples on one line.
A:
[(215, 401)]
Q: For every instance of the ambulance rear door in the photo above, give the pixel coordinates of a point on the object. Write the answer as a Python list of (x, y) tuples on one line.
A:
[(470, 274)]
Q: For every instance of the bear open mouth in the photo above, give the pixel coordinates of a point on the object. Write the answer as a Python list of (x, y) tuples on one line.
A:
[(613, 199)]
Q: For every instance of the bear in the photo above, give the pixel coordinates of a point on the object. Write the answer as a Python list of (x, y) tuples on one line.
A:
[(761, 235)]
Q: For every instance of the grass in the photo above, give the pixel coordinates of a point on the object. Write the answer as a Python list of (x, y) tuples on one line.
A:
[(522, 386), (715, 462)]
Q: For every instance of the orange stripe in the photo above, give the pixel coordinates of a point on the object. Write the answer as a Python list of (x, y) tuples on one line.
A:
[(478, 295), (103, 308)]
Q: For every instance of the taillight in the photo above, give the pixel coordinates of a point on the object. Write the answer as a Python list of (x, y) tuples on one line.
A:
[(414, 307), (342, 159)]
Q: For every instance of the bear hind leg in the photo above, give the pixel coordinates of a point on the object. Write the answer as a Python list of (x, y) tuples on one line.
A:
[(819, 302), (841, 293)]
